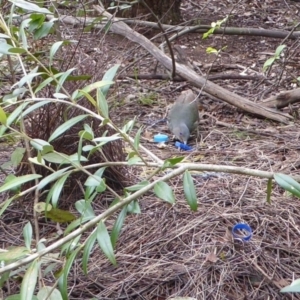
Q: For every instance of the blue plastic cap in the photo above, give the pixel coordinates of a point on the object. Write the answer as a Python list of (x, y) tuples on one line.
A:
[(246, 228), (160, 138), (183, 146)]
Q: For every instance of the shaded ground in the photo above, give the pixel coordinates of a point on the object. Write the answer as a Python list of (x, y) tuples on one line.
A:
[(171, 251)]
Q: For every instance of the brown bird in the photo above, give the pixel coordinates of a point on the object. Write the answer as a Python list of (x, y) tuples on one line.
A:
[(183, 116)]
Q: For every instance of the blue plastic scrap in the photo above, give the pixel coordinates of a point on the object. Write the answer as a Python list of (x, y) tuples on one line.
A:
[(242, 231)]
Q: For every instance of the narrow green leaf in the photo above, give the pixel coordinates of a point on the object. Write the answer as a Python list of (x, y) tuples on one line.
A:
[(134, 207), (138, 186), (41, 145), (108, 76), (137, 138), (49, 293), (90, 88), (29, 281), (17, 181), (104, 242), (288, 183), (57, 188), (14, 254), (133, 160), (269, 190), (62, 79), (170, 162), (164, 192), (106, 139), (279, 49), (27, 233), (12, 117), (102, 104), (17, 156), (63, 283), (87, 250), (77, 223), (190, 191), (128, 126), (51, 177), (118, 226), (84, 208), (64, 127), (294, 287), (3, 117), (30, 7), (33, 108)]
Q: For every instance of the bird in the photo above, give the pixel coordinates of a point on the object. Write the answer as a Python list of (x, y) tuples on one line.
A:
[(183, 116)]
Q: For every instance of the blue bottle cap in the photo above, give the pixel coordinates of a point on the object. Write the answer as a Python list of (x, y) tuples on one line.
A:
[(160, 138), (242, 231), (183, 146)]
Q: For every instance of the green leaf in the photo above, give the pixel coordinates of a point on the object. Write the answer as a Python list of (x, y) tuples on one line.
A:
[(29, 281), (96, 178), (43, 31), (138, 186), (269, 190), (63, 282), (59, 215), (3, 117), (62, 79), (294, 287), (17, 181), (42, 146), (190, 191), (17, 50), (170, 162), (128, 126), (52, 177), (164, 192), (17, 156), (77, 223), (27, 233), (87, 250), (84, 208), (30, 7), (137, 138), (64, 127), (105, 242), (288, 183), (57, 188), (102, 104), (32, 108), (118, 226), (108, 76), (90, 88), (134, 207), (49, 293), (14, 253), (279, 49), (269, 62), (133, 160), (16, 189), (106, 139)]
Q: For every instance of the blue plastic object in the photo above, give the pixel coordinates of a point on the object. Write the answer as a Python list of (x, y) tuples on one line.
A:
[(160, 138), (246, 229), (183, 146)]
